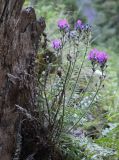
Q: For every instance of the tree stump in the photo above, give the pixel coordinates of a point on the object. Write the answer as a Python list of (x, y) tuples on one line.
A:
[(19, 35)]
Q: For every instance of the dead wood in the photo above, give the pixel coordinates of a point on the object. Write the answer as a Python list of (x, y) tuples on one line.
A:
[(20, 33)]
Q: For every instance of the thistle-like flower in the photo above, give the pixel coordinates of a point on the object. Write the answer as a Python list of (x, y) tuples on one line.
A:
[(78, 25), (102, 57), (56, 44), (63, 24), (97, 56)]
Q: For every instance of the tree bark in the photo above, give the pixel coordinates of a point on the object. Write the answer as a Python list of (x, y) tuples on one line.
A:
[(19, 35)]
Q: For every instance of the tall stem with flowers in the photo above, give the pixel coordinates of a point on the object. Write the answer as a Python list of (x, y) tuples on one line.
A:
[(57, 90)]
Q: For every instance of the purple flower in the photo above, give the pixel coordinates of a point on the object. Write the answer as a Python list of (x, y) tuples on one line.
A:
[(98, 56), (56, 44), (63, 24), (102, 57), (78, 25), (93, 55)]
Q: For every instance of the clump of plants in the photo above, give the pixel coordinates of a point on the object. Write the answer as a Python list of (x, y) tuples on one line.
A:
[(61, 89), (48, 133)]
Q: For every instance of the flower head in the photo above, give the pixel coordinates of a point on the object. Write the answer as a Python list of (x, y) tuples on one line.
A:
[(92, 56), (63, 24), (56, 44), (98, 56), (86, 27), (78, 25), (102, 57)]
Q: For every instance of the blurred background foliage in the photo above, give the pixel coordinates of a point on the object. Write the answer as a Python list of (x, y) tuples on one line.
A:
[(108, 21), (103, 122)]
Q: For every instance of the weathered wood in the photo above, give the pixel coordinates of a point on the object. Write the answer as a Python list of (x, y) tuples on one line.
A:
[(19, 35)]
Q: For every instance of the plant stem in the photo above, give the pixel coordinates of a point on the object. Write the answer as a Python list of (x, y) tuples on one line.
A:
[(77, 76), (88, 107)]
